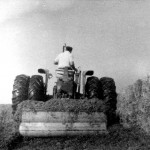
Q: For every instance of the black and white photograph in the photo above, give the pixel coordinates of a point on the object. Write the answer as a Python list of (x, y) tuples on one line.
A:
[(75, 75)]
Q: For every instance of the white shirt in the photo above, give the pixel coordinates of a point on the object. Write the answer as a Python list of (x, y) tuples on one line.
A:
[(64, 59)]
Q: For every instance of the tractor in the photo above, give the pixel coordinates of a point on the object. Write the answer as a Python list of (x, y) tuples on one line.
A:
[(68, 87), (68, 83)]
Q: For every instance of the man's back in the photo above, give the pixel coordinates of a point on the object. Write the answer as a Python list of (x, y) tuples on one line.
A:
[(64, 59)]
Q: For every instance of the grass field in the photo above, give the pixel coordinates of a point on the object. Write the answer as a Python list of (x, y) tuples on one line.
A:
[(118, 138), (7, 131)]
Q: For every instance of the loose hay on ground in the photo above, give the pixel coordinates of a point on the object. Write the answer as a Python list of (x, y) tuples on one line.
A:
[(60, 105)]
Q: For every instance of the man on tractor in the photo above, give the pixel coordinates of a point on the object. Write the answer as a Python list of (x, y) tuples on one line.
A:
[(65, 59), (65, 85)]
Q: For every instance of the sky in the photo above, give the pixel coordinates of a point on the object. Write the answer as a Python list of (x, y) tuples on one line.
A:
[(110, 37)]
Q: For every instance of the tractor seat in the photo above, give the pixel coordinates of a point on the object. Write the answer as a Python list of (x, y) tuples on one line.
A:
[(65, 73)]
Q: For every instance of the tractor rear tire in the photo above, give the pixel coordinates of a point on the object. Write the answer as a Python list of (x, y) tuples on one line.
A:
[(36, 88), (110, 98), (20, 90), (92, 87)]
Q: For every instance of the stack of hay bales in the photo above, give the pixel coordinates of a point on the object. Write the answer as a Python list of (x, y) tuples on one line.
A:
[(134, 105)]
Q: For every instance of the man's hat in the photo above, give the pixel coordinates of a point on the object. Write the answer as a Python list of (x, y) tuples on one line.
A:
[(68, 48)]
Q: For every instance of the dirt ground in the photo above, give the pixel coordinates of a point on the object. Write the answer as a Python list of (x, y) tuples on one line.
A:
[(118, 138)]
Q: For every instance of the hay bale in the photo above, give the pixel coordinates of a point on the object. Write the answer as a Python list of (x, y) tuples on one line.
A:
[(143, 114), (134, 105), (126, 105)]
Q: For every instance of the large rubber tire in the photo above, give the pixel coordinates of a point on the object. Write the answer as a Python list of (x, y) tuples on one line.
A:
[(20, 90), (109, 97), (36, 88), (92, 87)]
